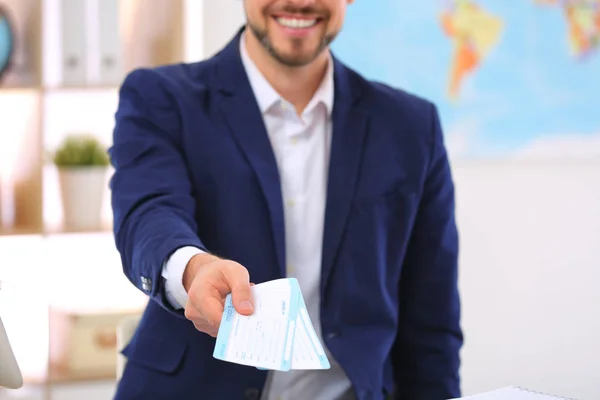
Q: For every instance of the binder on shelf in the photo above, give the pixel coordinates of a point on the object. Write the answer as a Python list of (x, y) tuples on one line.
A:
[(109, 44), (74, 39), (91, 43)]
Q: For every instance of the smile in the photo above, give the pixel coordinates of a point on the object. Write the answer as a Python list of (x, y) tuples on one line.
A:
[(295, 23)]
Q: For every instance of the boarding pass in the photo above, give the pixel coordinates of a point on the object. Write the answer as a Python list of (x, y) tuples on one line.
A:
[(279, 334)]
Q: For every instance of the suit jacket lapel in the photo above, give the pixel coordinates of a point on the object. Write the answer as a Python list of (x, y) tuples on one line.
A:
[(348, 141), (241, 111)]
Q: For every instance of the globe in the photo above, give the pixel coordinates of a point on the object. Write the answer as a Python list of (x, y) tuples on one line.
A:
[(6, 41)]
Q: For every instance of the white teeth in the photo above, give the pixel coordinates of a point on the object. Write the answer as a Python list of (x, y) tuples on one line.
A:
[(296, 23)]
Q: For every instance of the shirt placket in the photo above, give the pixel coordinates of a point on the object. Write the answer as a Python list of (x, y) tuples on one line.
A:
[(293, 145)]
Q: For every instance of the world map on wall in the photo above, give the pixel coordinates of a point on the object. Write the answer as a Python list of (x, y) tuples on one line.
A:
[(510, 79)]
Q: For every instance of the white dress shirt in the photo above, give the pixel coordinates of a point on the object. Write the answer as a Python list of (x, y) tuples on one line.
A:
[(301, 146)]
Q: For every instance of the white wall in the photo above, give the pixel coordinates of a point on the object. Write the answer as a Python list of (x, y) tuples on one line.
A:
[(222, 20), (530, 275), (210, 25), (530, 263)]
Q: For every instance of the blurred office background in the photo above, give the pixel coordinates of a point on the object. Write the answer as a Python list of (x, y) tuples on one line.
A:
[(517, 87)]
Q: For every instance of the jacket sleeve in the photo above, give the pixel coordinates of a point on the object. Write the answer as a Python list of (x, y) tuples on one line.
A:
[(426, 352), (152, 199)]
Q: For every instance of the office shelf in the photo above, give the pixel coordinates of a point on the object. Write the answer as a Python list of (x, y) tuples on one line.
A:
[(38, 110)]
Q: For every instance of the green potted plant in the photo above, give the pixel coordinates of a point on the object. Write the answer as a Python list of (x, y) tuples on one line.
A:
[(82, 162)]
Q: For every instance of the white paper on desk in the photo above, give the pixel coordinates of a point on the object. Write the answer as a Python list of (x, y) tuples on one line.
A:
[(511, 393), (279, 335)]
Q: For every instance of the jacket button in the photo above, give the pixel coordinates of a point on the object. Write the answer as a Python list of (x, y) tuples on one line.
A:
[(332, 335), (252, 394), (146, 284)]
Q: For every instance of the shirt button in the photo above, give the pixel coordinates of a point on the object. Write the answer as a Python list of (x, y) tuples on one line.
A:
[(291, 203), (332, 335), (291, 269), (294, 140)]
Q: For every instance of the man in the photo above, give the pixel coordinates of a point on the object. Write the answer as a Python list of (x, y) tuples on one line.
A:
[(273, 159)]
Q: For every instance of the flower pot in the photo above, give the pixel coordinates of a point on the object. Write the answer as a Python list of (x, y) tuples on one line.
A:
[(82, 190)]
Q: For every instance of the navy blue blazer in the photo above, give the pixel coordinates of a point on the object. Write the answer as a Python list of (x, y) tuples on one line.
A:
[(194, 167)]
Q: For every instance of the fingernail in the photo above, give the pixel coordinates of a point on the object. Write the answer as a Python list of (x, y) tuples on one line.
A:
[(246, 305)]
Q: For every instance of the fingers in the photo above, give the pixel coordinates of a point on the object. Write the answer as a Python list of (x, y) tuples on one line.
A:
[(208, 318), (241, 294), (207, 295), (210, 330), (211, 309)]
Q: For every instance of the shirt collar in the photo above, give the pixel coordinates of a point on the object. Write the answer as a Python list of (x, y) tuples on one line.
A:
[(266, 96)]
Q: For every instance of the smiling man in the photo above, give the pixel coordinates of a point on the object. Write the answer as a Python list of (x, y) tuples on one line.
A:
[(274, 159), (294, 36)]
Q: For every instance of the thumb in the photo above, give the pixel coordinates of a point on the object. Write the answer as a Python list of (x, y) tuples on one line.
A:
[(241, 292)]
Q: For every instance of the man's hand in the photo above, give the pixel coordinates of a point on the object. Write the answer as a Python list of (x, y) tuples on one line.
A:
[(208, 280)]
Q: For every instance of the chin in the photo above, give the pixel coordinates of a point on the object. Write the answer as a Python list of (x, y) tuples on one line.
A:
[(297, 49), (295, 58)]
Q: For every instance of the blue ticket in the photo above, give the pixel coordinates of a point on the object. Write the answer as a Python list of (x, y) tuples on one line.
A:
[(308, 352), (264, 339)]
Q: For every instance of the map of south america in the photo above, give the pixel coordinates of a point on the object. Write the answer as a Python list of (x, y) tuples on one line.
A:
[(511, 79), (583, 24), (474, 33)]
